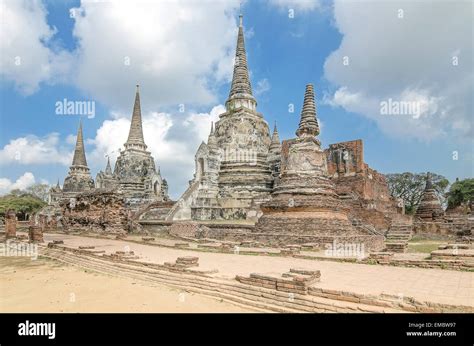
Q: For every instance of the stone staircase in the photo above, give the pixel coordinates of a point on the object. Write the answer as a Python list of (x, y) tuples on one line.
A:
[(397, 237)]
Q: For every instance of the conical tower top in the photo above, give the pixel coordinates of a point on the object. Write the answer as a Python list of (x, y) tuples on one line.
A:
[(275, 136), (241, 88), (108, 168), (79, 158), (308, 126), (135, 135), (211, 140), (275, 146)]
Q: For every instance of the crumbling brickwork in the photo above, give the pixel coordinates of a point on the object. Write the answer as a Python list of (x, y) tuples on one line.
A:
[(35, 234), (350, 173), (10, 224), (97, 211), (345, 158), (364, 190), (188, 230), (430, 208)]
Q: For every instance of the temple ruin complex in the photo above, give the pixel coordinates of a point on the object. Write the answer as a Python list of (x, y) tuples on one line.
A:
[(135, 177), (268, 223), (247, 184)]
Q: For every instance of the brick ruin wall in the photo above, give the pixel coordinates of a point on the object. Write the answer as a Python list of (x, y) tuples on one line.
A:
[(345, 158), (350, 173), (365, 190), (240, 233), (97, 212)]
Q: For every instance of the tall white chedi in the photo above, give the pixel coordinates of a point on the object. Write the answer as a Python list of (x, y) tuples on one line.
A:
[(245, 179), (233, 175)]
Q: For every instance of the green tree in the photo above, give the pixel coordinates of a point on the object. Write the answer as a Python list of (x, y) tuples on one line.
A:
[(410, 187), (24, 205), (461, 192)]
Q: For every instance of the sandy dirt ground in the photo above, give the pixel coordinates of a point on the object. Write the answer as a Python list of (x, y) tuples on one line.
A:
[(48, 286), (435, 285)]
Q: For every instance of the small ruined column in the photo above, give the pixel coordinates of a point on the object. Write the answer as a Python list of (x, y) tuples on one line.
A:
[(10, 224), (35, 234)]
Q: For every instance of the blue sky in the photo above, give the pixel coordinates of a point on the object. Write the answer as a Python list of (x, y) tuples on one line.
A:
[(181, 54)]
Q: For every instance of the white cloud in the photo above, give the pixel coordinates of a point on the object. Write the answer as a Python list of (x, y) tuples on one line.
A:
[(301, 5), (35, 150), (25, 58), (263, 85), (26, 180), (200, 123), (417, 125), (178, 51), (407, 59)]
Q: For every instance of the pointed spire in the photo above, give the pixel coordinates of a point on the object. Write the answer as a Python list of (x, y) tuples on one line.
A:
[(79, 153), (211, 140), (57, 185), (135, 136), (275, 136), (108, 168), (275, 146), (241, 87), (308, 126)]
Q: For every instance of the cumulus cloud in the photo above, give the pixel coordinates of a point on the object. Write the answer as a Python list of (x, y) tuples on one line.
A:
[(399, 51), (26, 58), (177, 50), (35, 150), (26, 180)]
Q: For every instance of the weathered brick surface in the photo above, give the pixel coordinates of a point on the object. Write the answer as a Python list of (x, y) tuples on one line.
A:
[(10, 224), (429, 208), (97, 211), (188, 230), (35, 234)]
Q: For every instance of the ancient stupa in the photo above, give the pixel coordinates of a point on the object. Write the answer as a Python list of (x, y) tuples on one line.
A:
[(430, 208), (233, 175), (304, 206), (135, 172), (244, 138), (79, 178)]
